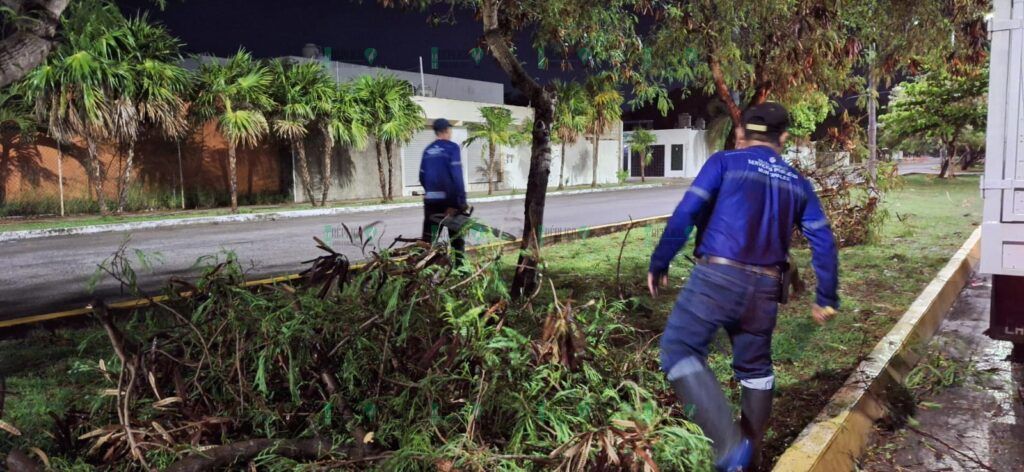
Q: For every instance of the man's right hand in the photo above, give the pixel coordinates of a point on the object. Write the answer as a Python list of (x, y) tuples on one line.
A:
[(822, 315), (654, 282)]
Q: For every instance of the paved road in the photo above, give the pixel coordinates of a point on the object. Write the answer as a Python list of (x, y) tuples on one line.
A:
[(49, 274)]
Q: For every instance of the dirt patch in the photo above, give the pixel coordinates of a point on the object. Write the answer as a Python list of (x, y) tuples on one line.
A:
[(796, 406)]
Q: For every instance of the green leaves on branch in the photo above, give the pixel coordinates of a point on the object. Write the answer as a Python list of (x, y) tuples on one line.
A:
[(237, 94), (640, 142), (937, 106)]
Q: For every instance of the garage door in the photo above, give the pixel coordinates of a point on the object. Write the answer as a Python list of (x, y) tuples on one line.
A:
[(412, 153)]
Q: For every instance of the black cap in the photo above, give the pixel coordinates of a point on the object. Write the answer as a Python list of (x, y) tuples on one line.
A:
[(768, 118), (441, 124)]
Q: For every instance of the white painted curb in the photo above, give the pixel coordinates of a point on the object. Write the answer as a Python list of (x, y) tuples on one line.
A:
[(272, 216)]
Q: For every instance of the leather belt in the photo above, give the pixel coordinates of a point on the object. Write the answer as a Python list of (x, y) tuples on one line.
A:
[(762, 270)]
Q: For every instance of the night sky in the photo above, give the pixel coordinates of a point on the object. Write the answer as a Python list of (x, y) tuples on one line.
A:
[(271, 28)]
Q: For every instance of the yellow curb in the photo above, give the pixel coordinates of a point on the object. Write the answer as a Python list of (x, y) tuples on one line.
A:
[(555, 238), (838, 436)]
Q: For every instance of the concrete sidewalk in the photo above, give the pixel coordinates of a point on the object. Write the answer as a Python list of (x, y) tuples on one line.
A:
[(974, 425)]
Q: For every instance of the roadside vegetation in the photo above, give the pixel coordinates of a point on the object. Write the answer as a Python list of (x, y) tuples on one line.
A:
[(411, 364)]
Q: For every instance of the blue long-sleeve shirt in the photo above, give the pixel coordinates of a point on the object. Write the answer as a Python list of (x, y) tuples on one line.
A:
[(746, 204), (441, 174)]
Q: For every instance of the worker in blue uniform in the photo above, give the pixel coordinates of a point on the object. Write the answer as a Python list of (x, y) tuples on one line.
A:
[(445, 190), (745, 204)]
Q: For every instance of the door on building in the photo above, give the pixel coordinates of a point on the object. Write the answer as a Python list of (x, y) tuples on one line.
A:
[(657, 166), (677, 158)]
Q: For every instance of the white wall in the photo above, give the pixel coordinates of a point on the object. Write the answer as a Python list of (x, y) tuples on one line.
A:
[(695, 149), (355, 172), (516, 162), (579, 163)]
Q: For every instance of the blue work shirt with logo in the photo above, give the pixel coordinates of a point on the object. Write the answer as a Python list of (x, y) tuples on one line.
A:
[(746, 204), (441, 174)]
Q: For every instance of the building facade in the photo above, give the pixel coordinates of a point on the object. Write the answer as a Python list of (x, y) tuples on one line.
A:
[(459, 101), (677, 153)]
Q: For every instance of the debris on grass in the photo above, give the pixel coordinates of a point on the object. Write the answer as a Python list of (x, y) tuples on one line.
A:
[(411, 363)]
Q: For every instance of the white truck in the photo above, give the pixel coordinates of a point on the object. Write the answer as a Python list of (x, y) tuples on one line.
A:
[(1002, 231)]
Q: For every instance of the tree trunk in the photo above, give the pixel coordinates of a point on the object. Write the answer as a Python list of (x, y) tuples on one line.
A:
[(561, 172), (325, 179), (60, 176), (971, 156), (390, 149), (726, 97), (872, 134), (490, 169), (299, 148), (233, 177), (181, 175), (126, 178), (380, 171), (597, 143), (28, 47), (5, 163), (96, 174), (500, 171), (525, 280), (643, 168), (946, 167)]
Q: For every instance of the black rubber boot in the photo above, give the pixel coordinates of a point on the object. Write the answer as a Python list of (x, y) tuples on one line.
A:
[(756, 408), (698, 391)]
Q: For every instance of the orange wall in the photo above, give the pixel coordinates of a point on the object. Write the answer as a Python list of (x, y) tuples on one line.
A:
[(32, 167)]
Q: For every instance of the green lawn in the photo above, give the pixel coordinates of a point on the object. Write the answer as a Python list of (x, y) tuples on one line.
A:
[(929, 220)]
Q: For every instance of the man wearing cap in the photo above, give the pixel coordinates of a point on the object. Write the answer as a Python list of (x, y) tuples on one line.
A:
[(745, 204), (441, 178)]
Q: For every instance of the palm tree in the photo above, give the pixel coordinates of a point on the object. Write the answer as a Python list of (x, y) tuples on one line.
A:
[(346, 124), (497, 131), (302, 93), (605, 109), (16, 120), (236, 94), (72, 90), (571, 118), (393, 120), (152, 98), (640, 142)]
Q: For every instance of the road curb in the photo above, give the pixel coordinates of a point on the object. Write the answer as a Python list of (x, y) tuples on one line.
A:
[(273, 216), (837, 437), (556, 238)]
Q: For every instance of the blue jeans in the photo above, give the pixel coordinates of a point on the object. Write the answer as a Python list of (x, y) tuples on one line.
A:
[(719, 296)]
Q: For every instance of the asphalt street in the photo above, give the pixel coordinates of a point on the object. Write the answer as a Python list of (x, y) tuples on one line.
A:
[(50, 274)]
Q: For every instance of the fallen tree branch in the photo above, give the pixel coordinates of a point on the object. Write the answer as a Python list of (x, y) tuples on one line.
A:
[(358, 433), (243, 451), (618, 265), (973, 460), (129, 363)]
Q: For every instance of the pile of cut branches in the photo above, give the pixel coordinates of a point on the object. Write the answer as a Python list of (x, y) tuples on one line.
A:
[(854, 210), (408, 364)]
